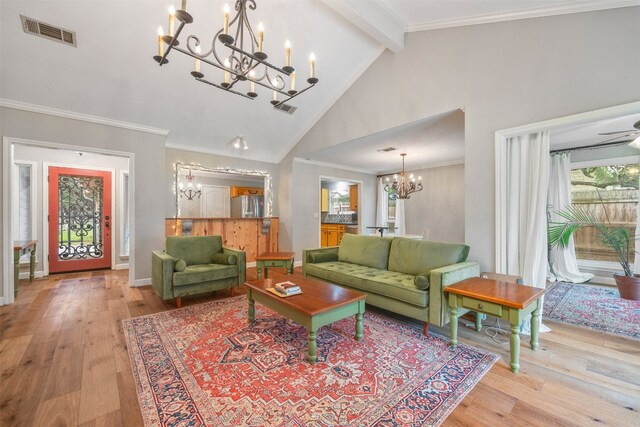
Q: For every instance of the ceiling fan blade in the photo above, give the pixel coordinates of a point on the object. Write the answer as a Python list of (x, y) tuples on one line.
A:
[(619, 137), (613, 133)]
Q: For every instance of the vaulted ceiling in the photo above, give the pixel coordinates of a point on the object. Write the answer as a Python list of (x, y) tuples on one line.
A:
[(111, 73)]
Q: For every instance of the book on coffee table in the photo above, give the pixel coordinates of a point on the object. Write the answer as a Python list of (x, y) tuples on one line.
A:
[(287, 288), (280, 294)]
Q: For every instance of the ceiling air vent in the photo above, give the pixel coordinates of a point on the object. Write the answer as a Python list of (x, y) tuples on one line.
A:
[(51, 32), (386, 150), (290, 109)]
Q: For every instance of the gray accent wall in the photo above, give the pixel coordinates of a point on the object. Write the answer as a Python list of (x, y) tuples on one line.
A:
[(148, 167), (439, 207), (504, 75)]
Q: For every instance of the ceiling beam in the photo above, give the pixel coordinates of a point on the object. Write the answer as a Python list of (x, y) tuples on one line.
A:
[(375, 19)]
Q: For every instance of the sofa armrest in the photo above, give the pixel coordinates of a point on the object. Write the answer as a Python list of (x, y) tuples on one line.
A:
[(162, 265), (242, 263), (306, 255), (442, 277)]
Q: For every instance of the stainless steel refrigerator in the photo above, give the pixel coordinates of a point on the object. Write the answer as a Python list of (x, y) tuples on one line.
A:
[(247, 206)]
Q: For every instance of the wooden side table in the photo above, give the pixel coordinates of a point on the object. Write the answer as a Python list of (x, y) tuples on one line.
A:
[(21, 247), (507, 301), (274, 259)]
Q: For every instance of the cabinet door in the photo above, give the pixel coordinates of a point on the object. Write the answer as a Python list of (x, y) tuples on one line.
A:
[(324, 238), (353, 197), (332, 239), (324, 200)]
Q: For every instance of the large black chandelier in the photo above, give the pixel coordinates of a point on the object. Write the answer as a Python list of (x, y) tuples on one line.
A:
[(244, 63), (402, 187)]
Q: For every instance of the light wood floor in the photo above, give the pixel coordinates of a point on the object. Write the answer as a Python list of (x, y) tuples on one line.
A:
[(63, 361)]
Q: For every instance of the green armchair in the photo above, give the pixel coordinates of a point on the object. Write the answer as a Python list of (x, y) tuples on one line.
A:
[(193, 265)]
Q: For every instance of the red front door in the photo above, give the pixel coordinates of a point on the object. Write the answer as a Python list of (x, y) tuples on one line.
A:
[(79, 219)]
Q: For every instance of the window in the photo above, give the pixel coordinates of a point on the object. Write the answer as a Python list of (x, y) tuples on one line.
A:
[(391, 212), (617, 185), (124, 215)]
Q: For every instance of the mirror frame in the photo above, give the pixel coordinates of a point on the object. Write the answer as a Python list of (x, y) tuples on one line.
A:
[(268, 194)]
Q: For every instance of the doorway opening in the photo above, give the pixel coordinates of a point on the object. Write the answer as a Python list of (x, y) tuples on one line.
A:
[(339, 201)]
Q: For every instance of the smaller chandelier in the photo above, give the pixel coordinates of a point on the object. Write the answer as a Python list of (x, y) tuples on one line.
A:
[(238, 52), (403, 187), (189, 192)]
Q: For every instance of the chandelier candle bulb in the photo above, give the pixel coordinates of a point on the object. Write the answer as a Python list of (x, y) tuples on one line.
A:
[(172, 20), (160, 47), (198, 51), (287, 53), (227, 64), (312, 65), (293, 81), (184, 5), (252, 85), (226, 18), (260, 36)]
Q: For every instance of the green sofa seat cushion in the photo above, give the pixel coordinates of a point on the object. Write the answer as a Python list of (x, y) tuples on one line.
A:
[(194, 249), (370, 251), (419, 257), (367, 279), (203, 273)]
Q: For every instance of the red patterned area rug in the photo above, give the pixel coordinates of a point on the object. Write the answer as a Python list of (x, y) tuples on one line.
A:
[(593, 307), (204, 365)]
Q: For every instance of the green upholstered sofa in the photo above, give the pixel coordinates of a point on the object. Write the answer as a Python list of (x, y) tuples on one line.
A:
[(401, 275), (192, 265)]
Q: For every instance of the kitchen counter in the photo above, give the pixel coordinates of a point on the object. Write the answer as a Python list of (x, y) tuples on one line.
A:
[(348, 224)]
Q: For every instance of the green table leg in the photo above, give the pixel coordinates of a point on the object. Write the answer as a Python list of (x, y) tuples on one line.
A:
[(259, 266), (515, 347), (290, 266), (16, 272), (359, 334), (266, 272), (252, 307), (535, 325), (478, 321), (32, 263), (313, 347), (454, 326)]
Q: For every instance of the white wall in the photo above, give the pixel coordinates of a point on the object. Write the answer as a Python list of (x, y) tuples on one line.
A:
[(306, 202), (504, 75), (439, 207), (148, 168), (41, 155)]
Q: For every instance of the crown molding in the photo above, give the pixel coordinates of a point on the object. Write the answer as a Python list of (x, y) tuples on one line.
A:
[(174, 146), (17, 105), (423, 167), (561, 9)]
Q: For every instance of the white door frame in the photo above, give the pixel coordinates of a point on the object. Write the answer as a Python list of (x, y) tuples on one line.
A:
[(501, 137), (7, 223)]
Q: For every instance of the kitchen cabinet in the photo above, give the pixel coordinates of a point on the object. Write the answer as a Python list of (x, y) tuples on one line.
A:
[(331, 234), (324, 200), (353, 198), (246, 191)]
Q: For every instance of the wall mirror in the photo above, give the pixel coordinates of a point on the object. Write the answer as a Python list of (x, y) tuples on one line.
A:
[(204, 192)]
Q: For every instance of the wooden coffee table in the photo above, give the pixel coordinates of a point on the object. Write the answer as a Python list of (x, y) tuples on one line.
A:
[(319, 304), (504, 300)]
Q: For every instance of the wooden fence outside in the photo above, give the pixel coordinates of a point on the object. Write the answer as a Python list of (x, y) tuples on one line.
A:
[(620, 206)]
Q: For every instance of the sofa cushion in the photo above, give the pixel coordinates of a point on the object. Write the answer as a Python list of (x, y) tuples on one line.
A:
[(226, 259), (180, 265), (194, 249), (203, 273), (323, 257), (370, 251), (419, 257), (388, 283)]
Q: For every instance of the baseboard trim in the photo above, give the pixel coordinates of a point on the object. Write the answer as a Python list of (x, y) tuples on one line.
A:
[(251, 264), (36, 275), (124, 266), (297, 264), (141, 282), (1, 301)]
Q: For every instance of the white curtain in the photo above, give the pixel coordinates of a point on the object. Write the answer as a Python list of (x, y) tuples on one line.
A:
[(382, 208), (400, 227), (636, 264), (563, 264), (527, 185)]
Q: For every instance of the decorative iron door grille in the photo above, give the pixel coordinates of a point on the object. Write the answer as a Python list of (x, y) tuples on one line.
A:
[(79, 227)]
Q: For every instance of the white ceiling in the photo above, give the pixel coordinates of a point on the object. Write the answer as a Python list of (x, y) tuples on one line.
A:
[(111, 73), (588, 134)]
